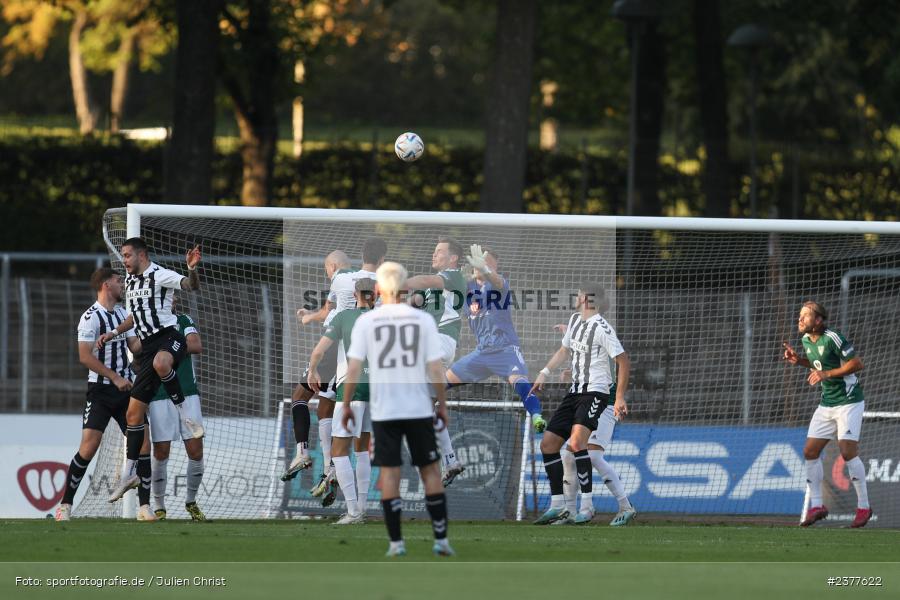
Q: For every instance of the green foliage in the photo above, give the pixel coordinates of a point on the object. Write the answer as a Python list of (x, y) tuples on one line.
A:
[(55, 189)]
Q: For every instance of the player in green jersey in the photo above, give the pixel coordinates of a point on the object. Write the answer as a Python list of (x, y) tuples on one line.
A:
[(354, 485), (833, 362), (166, 426), (443, 295)]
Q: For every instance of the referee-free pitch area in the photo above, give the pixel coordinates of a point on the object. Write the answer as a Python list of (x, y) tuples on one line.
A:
[(494, 560)]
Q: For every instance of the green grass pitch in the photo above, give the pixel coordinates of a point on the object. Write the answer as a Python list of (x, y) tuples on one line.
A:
[(494, 560)]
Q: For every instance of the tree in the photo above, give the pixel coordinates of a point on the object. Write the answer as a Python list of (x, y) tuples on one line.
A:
[(190, 150), (713, 106), (506, 133), (650, 90), (105, 36)]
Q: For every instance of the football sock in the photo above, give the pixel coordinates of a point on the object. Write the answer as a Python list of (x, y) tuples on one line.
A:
[(554, 468), (77, 468), (343, 470), (610, 478), (858, 476), (194, 477), (134, 440), (391, 510), (325, 442), (173, 387), (443, 438), (570, 483), (814, 477), (437, 508), (159, 469), (363, 477), (531, 402), (300, 418), (143, 471), (585, 472)]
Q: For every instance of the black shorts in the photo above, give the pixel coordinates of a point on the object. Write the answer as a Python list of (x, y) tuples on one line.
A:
[(146, 384), (419, 434), (327, 371), (104, 402), (578, 409)]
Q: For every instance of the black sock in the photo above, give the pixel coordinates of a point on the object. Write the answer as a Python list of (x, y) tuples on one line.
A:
[(143, 471), (173, 387), (554, 468), (300, 417), (437, 508), (585, 471), (391, 510), (77, 468), (134, 440)]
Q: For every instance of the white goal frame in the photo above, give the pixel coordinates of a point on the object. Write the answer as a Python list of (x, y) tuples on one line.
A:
[(136, 212)]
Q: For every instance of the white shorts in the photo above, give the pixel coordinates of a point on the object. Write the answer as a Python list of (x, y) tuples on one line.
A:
[(165, 422), (843, 422), (603, 435), (362, 420), (448, 349)]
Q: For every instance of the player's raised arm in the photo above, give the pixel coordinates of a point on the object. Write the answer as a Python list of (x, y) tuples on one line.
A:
[(192, 281), (481, 260), (790, 355)]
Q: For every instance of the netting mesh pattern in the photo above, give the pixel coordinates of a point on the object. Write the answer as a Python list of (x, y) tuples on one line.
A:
[(702, 315)]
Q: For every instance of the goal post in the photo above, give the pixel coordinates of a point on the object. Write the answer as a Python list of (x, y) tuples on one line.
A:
[(702, 306)]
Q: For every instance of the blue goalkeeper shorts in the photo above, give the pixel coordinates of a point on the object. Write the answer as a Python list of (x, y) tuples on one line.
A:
[(479, 365)]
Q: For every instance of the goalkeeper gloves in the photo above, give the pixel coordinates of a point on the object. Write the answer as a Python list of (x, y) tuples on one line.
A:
[(477, 260)]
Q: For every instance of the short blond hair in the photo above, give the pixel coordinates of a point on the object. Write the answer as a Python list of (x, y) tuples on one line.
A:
[(391, 278)]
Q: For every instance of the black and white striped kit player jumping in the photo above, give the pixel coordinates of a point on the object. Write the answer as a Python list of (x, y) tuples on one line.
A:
[(591, 342), (148, 301)]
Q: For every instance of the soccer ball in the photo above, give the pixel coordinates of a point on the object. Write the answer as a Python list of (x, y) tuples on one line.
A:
[(409, 147)]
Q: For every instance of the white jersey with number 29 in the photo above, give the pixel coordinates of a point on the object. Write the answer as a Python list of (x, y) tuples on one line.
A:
[(398, 341)]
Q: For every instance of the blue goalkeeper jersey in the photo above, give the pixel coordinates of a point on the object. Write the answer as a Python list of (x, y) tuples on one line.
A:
[(490, 316)]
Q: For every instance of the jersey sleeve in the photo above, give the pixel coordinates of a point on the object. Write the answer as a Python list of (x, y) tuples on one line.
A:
[(87, 328), (842, 346), (168, 278), (334, 330), (432, 342), (610, 341), (567, 336), (359, 338), (187, 325)]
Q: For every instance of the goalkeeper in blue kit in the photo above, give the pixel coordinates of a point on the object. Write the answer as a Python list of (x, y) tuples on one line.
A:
[(488, 308)]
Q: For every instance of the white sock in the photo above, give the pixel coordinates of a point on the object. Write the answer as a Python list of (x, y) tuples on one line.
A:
[(347, 480), (570, 480), (443, 438), (194, 477), (587, 501), (159, 478), (858, 476), (302, 449), (363, 478), (610, 478), (557, 501), (814, 477), (325, 442), (128, 469)]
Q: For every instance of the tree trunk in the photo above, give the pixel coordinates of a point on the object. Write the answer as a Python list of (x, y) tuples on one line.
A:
[(120, 79), (190, 149), (713, 107), (506, 135), (651, 87), (80, 94), (297, 112)]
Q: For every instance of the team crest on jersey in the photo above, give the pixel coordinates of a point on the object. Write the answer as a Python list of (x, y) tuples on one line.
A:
[(821, 349)]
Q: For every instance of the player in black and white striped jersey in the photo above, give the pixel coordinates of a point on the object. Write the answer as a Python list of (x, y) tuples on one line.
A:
[(109, 378), (591, 342), (148, 297)]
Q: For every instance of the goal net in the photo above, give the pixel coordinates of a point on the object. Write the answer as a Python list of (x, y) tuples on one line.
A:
[(717, 420)]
